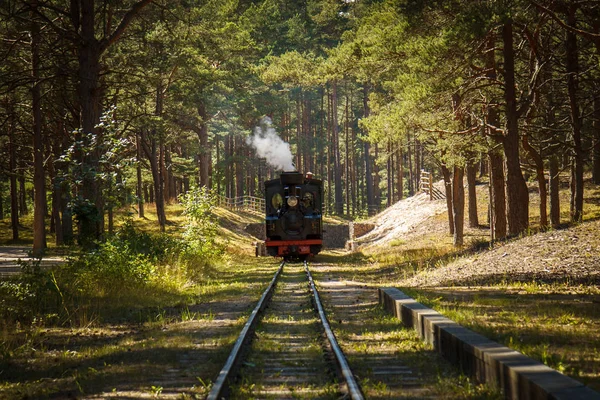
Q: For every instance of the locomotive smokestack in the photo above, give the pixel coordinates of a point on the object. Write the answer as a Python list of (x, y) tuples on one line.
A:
[(291, 178)]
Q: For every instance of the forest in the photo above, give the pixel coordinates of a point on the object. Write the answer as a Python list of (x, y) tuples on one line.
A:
[(110, 104)]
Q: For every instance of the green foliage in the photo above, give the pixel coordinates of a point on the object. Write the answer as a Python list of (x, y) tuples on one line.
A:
[(200, 235), (31, 295), (128, 259)]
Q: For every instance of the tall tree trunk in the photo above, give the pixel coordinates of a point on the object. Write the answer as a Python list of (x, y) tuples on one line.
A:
[(337, 170), (89, 52), (204, 148), (150, 148), (472, 189), (400, 170), (376, 181), (572, 86), (347, 151), (497, 193), (39, 179), (23, 210), (539, 170), (458, 205), (418, 163), (239, 168), (14, 193), (554, 191), (140, 192), (367, 157), (230, 192), (497, 206), (411, 170), (516, 187), (56, 196), (448, 191), (158, 156), (596, 138), (330, 155), (299, 141), (390, 180), (2, 191)]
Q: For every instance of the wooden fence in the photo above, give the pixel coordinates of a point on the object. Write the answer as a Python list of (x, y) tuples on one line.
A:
[(427, 186), (245, 203)]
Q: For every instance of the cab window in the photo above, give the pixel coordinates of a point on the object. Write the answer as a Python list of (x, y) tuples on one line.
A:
[(308, 200), (277, 201)]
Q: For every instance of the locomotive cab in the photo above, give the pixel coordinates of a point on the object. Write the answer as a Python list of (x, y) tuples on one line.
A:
[(293, 215)]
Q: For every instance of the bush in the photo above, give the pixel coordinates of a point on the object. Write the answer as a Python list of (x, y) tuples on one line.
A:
[(200, 236), (128, 259), (29, 295)]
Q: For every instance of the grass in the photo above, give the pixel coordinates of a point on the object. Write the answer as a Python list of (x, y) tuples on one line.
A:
[(552, 324), (177, 345), (370, 344), (175, 334), (555, 322)]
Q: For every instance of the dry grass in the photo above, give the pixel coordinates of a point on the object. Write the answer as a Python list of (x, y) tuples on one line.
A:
[(538, 294)]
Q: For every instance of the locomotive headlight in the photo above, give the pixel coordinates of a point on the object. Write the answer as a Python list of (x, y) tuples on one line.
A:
[(292, 201)]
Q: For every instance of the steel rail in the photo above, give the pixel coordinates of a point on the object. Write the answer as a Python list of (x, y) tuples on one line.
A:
[(219, 385), (353, 387)]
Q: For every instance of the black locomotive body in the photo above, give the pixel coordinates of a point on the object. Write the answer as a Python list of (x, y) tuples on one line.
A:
[(294, 228)]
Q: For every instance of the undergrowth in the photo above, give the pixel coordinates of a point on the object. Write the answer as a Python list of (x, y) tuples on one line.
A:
[(129, 269)]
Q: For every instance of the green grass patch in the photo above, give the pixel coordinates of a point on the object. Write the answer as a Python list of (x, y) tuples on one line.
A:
[(554, 324)]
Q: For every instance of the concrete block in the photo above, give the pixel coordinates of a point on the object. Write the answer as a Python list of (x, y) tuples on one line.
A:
[(578, 393), (517, 375)]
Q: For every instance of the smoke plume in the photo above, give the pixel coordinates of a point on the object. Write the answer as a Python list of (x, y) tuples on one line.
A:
[(269, 146)]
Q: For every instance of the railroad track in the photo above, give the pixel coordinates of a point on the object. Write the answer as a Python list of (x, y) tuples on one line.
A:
[(287, 348)]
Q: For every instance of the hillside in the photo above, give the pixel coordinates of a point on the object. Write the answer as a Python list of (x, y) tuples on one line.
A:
[(570, 255)]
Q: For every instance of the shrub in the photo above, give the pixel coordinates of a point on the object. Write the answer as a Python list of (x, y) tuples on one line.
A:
[(200, 236)]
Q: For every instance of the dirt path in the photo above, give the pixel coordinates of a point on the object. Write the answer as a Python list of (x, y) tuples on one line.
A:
[(10, 256)]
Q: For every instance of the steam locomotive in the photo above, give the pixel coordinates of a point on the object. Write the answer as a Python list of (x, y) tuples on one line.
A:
[(294, 228)]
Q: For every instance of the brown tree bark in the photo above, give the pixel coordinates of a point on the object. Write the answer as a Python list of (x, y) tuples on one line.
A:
[(458, 205), (392, 172), (89, 52), (541, 179), (204, 148), (23, 210), (449, 193), (516, 187), (150, 149), (497, 196), (138, 168), (400, 170), (14, 193), (367, 158), (411, 170), (39, 178), (596, 138), (2, 191), (472, 190), (239, 168), (572, 87), (554, 191), (376, 181), (337, 170)]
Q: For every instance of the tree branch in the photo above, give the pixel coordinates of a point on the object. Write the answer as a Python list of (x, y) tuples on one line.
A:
[(589, 35), (127, 18)]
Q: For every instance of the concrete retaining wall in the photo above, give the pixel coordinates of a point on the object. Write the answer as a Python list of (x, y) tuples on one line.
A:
[(357, 229), (518, 376)]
